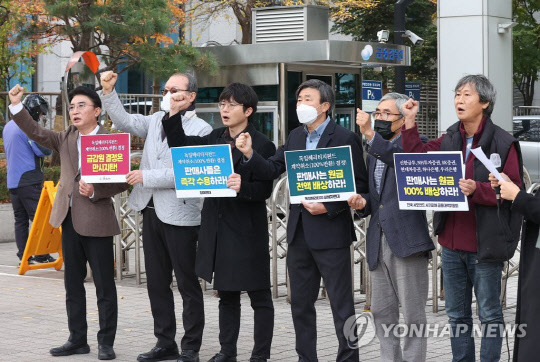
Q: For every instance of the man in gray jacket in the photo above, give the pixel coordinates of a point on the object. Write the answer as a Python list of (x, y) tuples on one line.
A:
[(170, 225), (398, 241)]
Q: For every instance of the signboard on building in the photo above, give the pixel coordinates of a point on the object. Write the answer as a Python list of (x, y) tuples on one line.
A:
[(412, 89), (371, 94)]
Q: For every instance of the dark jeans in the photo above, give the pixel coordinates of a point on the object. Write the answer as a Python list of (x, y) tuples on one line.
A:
[(24, 201), (229, 321), (169, 248), (461, 273), (98, 252)]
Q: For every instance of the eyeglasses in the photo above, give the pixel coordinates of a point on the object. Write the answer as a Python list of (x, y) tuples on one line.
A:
[(79, 106), (173, 90), (384, 115), (223, 105)]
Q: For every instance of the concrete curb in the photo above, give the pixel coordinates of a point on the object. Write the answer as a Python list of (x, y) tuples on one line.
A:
[(7, 229)]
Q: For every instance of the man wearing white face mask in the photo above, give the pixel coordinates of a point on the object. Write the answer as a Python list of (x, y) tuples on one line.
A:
[(170, 225), (319, 234)]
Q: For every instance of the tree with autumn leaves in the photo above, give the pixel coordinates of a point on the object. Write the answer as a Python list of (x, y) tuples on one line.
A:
[(16, 55), (122, 33)]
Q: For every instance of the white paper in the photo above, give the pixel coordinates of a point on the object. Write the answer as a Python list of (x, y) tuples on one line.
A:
[(480, 155)]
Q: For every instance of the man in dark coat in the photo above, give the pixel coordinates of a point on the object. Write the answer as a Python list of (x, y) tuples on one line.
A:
[(319, 234), (526, 347), (233, 239)]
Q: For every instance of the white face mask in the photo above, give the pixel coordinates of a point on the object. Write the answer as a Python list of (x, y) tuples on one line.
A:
[(306, 114), (166, 102)]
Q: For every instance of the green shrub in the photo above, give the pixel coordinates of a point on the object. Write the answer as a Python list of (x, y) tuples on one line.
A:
[(52, 173), (4, 192)]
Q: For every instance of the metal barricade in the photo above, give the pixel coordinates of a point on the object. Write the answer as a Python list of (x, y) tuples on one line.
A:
[(130, 242)]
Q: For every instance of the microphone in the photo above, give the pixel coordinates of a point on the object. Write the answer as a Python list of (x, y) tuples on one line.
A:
[(495, 158)]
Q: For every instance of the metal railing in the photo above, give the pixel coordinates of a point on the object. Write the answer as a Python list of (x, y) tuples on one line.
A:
[(526, 110), (130, 241)]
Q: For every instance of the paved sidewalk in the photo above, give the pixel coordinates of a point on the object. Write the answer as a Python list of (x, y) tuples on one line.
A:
[(33, 319)]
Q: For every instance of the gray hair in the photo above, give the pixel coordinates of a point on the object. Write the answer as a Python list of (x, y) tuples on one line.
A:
[(485, 89), (398, 98), (325, 90), (192, 81)]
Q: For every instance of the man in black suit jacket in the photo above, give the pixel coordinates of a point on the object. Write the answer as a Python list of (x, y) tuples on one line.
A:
[(319, 234)]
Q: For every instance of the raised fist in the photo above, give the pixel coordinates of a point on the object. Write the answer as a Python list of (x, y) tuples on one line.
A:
[(363, 120), (108, 80), (243, 143), (15, 94)]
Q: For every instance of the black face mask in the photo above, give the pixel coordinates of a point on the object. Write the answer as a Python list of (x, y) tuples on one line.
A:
[(384, 128)]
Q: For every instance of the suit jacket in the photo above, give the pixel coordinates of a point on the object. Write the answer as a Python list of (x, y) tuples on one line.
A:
[(91, 217), (406, 231), (325, 231), (156, 163), (233, 239)]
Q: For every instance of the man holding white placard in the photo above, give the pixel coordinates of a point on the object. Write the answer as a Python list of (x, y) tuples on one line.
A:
[(397, 241), (170, 225), (475, 242)]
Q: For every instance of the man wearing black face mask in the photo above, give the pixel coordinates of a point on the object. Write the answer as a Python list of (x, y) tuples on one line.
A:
[(398, 241)]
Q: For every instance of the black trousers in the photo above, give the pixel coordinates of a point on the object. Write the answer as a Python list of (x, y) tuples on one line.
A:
[(98, 252), (306, 267), (169, 248), (24, 201), (229, 321)]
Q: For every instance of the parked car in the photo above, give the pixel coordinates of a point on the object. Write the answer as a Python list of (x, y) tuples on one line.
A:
[(139, 107), (527, 130)]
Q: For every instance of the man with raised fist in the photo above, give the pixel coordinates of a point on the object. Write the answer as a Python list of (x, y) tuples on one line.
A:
[(170, 225), (86, 214)]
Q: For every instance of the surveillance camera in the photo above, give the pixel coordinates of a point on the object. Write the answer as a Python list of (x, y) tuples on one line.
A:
[(383, 35), (503, 28), (415, 39)]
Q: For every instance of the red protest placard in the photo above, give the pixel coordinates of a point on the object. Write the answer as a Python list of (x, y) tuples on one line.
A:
[(105, 157)]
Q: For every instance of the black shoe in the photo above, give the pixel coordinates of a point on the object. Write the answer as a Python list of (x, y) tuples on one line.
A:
[(31, 261), (47, 258), (220, 357), (160, 354), (106, 352), (69, 348), (189, 355), (257, 359)]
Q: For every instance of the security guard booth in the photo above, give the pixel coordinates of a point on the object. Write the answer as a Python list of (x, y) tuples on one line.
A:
[(291, 45)]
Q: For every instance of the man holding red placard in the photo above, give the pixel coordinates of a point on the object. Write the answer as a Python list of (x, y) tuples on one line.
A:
[(86, 214)]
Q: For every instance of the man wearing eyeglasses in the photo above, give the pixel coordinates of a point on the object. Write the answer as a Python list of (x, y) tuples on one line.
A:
[(398, 241), (170, 225), (233, 244), (86, 214)]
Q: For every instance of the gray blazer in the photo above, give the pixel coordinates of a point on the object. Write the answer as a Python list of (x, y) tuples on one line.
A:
[(156, 163), (406, 231)]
